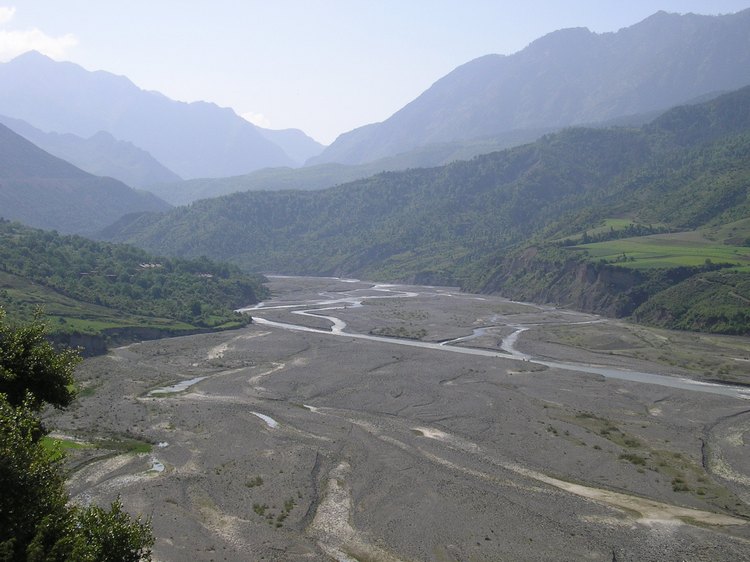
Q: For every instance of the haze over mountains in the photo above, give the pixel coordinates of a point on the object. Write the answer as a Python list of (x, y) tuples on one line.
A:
[(100, 154), (192, 139), (568, 77), (571, 76), (41, 190)]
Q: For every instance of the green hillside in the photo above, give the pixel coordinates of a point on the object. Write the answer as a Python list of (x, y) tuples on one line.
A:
[(398, 223), (328, 175), (544, 221), (89, 288)]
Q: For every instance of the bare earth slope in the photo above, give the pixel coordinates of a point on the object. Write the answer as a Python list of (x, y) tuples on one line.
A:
[(317, 436)]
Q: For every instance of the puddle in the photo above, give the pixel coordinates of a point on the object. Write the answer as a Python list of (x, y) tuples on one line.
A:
[(270, 422), (175, 388)]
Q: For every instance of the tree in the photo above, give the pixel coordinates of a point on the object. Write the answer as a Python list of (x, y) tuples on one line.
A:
[(36, 524), (92, 534), (30, 364), (32, 483)]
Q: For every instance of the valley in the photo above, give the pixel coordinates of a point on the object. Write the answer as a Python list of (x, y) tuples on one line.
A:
[(357, 421), (435, 282)]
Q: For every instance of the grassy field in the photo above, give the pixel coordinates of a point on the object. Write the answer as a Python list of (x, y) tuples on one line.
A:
[(669, 250), (57, 447)]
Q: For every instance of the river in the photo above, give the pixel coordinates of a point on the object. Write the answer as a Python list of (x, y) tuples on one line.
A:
[(326, 302)]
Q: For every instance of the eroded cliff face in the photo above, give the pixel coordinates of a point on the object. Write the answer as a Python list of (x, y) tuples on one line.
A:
[(98, 344), (88, 344), (571, 283)]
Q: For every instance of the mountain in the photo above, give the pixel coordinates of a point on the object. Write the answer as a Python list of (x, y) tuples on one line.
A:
[(101, 154), (322, 176), (42, 190), (571, 76), (670, 197), (295, 143), (192, 139)]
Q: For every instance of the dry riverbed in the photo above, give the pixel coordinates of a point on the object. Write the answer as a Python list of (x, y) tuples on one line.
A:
[(350, 433)]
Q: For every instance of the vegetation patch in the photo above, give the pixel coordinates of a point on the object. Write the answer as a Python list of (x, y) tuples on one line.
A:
[(273, 519), (254, 482), (89, 287), (665, 251), (124, 444), (57, 447), (405, 332), (683, 474), (633, 458)]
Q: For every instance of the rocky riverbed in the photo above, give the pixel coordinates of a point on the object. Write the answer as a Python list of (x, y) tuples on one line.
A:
[(356, 421)]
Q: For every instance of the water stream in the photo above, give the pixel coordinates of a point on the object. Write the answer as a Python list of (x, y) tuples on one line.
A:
[(175, 388), (508, 346)]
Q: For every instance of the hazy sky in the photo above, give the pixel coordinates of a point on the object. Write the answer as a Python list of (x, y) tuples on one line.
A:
[(323, 66)]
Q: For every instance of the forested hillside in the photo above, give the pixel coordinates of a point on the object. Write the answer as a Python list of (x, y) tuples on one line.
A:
[(475, 223), (371, 225), (92, 287), (328, 175)]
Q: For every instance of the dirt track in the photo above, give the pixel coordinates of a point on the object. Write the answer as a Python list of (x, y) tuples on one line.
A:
[(300, 445)]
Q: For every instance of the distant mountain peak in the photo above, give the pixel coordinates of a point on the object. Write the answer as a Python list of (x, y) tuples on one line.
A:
[(562, 36), (567, 77), (101, 154), (31, 56), (197, 139)]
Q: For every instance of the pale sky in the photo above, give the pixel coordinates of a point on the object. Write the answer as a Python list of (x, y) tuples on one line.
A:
[(323, 66)]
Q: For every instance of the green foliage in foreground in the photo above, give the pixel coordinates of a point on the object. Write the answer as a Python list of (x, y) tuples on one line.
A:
[(36, 522), (198, 292), (29, 365)]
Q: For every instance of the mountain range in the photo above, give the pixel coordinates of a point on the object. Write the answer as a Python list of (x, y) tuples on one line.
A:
[(100, 154), (196, 139), (568, 77), (106, 125), (321, 176), (608, 216), (44, 191)]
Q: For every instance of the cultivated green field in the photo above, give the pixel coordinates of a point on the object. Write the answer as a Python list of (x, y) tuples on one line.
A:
[(667, 250)]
